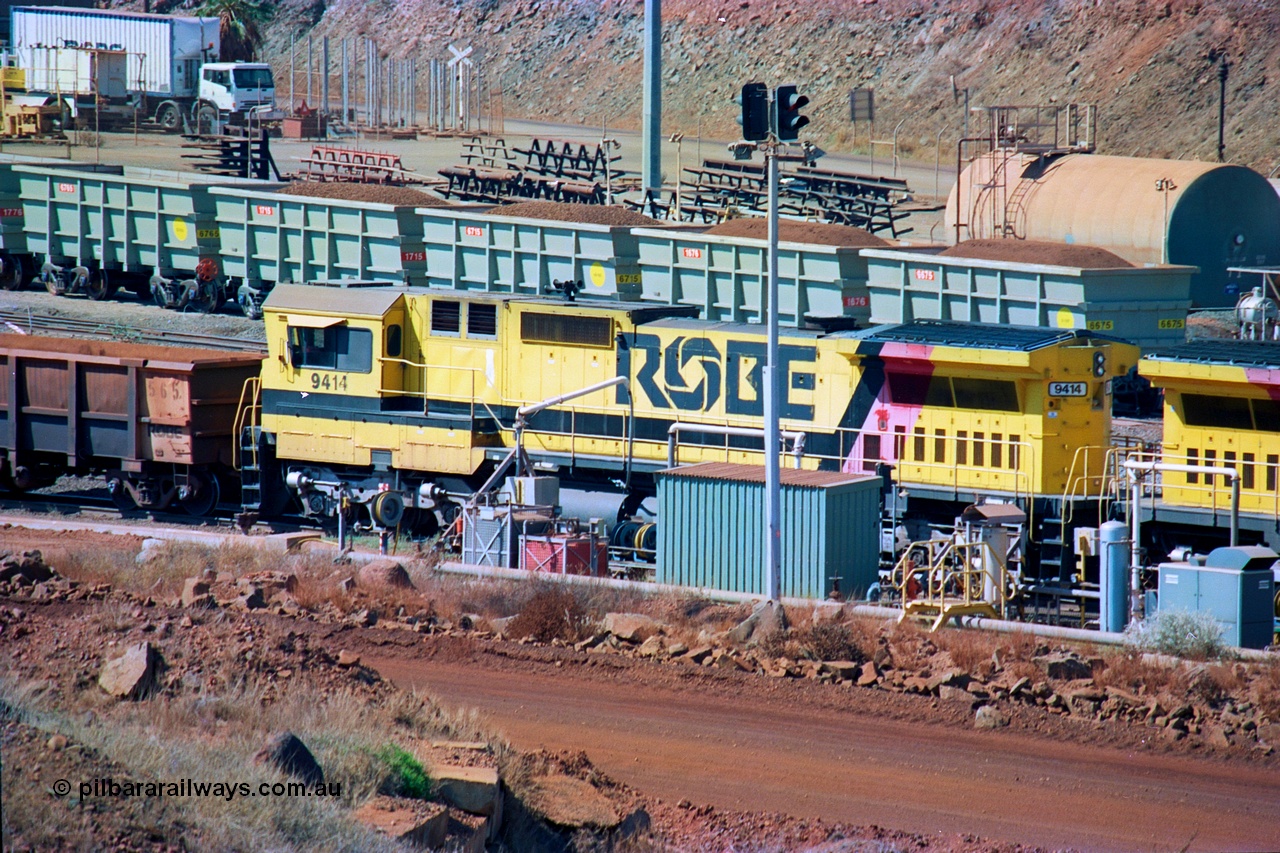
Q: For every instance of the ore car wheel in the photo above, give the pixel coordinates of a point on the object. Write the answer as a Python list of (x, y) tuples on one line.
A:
[(206, 498), (120, 496), (205, 298), (100, 286), (10, 273), (51, 283)]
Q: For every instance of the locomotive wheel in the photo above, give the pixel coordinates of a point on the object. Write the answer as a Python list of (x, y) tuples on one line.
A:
[(100, 286), (10, 273), (206, 498)]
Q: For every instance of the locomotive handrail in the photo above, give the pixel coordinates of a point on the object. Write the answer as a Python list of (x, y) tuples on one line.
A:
[(250, 411), (673, 437)]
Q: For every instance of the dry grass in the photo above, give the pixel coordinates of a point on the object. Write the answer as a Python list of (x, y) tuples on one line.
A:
[(214, 736), (971, 651), (1265, 689), (1128, 671), (1215, 683)]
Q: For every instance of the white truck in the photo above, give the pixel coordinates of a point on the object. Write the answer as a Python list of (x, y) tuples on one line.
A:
[(115, 63)]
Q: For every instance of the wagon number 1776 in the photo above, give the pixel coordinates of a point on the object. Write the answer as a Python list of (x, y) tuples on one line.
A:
[(328, 382)]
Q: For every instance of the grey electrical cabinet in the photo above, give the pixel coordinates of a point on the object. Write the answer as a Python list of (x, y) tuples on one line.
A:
[(1236, 585)]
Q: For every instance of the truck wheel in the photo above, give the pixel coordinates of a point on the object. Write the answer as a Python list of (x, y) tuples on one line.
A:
[(169, 117), (206, 118)]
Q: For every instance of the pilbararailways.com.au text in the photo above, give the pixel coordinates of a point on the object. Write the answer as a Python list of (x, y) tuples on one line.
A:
[(108, 787)]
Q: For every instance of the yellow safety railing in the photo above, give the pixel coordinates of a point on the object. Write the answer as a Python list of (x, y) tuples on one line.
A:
[(955, 579), (248, 414)]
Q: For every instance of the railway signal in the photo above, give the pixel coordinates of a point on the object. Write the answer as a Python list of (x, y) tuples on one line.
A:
[(754, 119), (787, 104)]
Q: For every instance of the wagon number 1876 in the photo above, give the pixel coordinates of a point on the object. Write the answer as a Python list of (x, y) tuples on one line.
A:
[(328, 382)]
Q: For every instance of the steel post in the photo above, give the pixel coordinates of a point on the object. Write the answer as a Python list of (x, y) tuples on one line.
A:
[(651, 134), (773, 490)]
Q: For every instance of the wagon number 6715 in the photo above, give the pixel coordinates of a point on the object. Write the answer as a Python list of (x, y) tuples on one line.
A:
[(328, 382)]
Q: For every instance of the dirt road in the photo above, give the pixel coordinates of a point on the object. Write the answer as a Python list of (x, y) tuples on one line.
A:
[(767, 750)]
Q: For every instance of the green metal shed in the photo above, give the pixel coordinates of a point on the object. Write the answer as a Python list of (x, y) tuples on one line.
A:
[(711, 529)]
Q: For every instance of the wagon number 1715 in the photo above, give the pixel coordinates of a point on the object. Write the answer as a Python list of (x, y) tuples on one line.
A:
[(328, 382)]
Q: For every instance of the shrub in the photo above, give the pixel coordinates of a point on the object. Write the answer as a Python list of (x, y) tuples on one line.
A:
[(1178, 632), (833, 641), (406, 775), (551, 613)]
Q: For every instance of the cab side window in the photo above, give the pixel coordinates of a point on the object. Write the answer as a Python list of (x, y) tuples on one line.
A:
[(334, 348)]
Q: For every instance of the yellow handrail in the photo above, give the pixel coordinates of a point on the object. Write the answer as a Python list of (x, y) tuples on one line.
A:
[(251, 389)]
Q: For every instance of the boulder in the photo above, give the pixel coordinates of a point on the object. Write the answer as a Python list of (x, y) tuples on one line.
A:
[(271, 583), (253, 599), (989, 717), (843, 670), (954, 694), (631, 627), (698, 654), (1065, 667), (868, 675), (285, 752), (384, 573), (570, 803), (346, 658), (133, 675), (196, 593), (767, 618), (652, 647), (411, 822), (27, 568), (477, 790)]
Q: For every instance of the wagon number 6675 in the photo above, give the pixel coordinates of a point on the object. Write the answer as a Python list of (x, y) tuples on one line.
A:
[(328, 382)]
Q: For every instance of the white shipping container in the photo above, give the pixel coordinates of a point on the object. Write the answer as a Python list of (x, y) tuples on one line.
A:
[(72, 71), (165, 52)]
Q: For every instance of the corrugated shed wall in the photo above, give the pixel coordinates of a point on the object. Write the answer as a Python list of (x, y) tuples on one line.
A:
[(711, 533)]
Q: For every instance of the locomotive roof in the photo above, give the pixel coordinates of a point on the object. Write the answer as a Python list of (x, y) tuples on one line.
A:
[(1233, 353), (357, 301), (943, 333)]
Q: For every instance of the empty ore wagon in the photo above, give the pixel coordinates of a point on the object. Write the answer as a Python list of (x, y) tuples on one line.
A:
[(158, 422)]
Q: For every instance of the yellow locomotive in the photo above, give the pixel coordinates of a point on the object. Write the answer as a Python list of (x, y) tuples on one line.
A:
[(1221, 409), (401, 401)]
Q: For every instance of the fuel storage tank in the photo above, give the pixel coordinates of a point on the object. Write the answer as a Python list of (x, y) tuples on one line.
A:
[(1209, 215)]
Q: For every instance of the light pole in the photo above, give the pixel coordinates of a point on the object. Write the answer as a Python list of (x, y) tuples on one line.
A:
[(607, 145), (678, 139), (1165, 185)]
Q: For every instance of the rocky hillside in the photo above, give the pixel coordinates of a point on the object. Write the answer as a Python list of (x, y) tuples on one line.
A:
[(1151, 67)]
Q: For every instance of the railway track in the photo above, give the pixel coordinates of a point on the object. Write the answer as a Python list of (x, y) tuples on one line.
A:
[(28, 323)]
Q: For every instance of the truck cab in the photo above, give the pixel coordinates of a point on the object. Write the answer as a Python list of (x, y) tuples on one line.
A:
[(238, 87)]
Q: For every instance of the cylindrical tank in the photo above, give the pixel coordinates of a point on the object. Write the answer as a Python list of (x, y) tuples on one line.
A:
[(1257, 315), (1113, 541), (1208, 215)]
